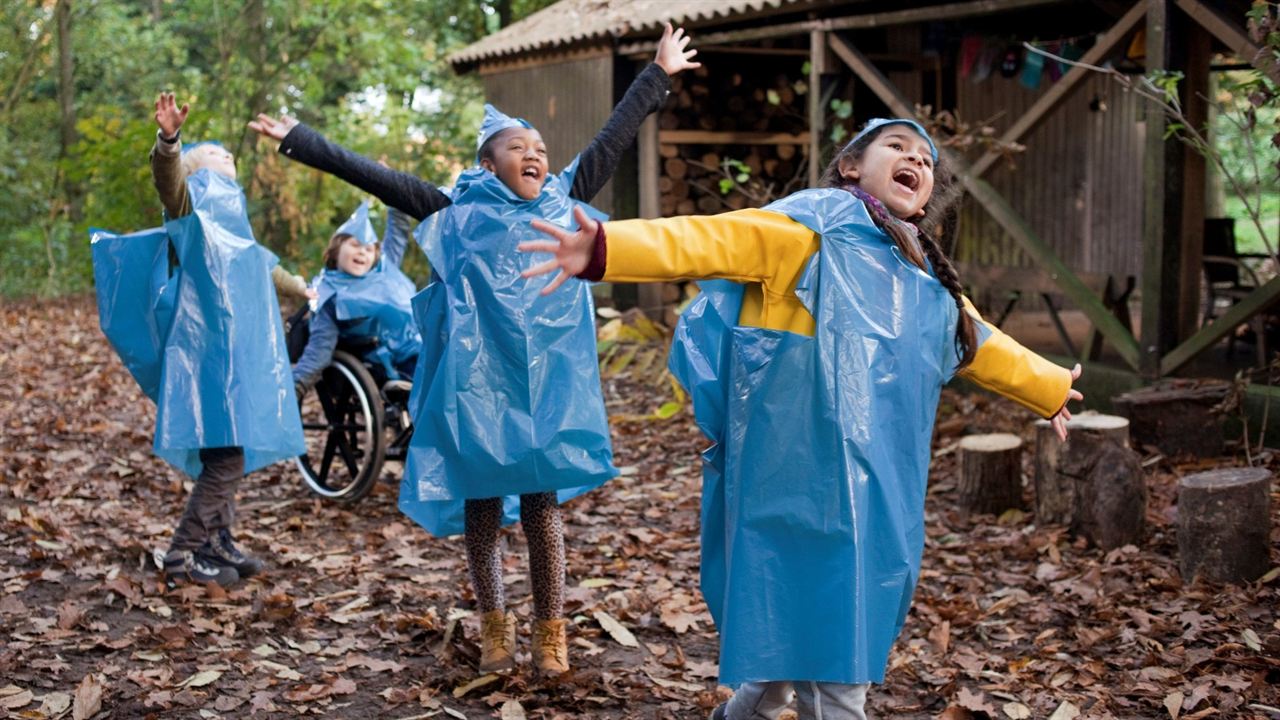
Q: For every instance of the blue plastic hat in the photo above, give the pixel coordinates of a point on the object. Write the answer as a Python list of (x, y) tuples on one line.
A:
[(358, 226), (875, 123), (188, 147), (495, 121)]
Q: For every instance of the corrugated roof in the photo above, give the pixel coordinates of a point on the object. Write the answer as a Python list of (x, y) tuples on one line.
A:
[(570, 22)]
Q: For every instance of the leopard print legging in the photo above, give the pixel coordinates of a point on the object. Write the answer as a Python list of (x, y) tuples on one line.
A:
[(540, 515)]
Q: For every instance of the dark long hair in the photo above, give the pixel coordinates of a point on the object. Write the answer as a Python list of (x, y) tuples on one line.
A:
[(946, 193)]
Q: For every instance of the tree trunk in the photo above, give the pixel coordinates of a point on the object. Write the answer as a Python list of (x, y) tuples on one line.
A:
[(1224, 524), (990, 473), (67, 105), (1093, 482)]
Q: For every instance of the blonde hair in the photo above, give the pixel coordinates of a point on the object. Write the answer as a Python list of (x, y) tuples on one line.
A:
[(188, 158)]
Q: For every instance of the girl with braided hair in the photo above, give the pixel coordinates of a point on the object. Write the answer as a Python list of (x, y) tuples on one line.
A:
[(827, 325)]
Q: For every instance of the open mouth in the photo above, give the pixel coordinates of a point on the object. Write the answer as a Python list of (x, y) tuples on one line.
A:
[(907, 178), (531, 172)]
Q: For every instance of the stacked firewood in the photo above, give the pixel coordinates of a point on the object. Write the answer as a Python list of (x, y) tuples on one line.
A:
[(713, 158)]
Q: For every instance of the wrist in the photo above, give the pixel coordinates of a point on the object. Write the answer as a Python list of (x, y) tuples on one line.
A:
[(170, 139), (596, 264)]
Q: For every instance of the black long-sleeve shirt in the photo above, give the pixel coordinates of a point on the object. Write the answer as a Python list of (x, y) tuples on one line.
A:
[(419, 198)]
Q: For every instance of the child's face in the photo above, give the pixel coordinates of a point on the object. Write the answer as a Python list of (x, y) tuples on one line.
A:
[(215, 158), (520, 161), (355, 258), (897, 169)]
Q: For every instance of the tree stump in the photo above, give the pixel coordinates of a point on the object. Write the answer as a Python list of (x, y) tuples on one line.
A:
[(1177, 417), (990, 473), (1093, 482), (1224, 524)]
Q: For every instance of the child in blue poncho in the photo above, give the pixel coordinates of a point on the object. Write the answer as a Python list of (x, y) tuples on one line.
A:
[(815, 359), (363, 296), (490, 430), (191, 310)]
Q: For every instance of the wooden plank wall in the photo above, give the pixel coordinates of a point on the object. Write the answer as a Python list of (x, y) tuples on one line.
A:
[(1079, 183), (568, 102)]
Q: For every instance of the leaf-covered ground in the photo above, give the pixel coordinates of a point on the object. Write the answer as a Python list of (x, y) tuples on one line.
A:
[(364, 615)]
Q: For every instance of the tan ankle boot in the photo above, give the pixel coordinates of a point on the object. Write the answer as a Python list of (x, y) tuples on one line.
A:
[(550, 648), (497, 642)]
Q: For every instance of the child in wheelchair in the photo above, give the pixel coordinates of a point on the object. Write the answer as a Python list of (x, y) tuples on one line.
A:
[(362, 304)]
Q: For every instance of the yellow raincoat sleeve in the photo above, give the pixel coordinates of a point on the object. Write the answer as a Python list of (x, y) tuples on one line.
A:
[(1005, 367), (745, 245)]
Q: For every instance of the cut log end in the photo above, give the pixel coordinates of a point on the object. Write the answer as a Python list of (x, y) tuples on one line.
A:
[(1224, 525)]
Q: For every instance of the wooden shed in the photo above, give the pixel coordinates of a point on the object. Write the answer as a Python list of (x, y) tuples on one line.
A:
[(1101, 212)]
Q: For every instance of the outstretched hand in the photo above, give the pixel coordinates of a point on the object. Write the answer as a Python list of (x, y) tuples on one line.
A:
[(1060, 420), (169, 116), (672, 56), (272, 128), (572, 249)]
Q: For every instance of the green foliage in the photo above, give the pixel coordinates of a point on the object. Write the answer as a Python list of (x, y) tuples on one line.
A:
[(371, 74)]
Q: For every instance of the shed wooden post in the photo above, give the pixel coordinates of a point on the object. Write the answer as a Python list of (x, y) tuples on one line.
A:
[(817, 113), (1224, 524), (649, 295)]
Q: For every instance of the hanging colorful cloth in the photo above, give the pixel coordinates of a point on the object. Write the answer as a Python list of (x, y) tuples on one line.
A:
[(1032, 67), (205, 342), (810, 556), (506, 399)]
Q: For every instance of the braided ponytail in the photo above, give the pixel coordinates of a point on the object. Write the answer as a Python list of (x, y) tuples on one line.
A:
[(913, 239)]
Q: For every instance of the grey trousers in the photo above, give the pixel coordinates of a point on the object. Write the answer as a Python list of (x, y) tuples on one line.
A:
[(212, 505), (814, 701)]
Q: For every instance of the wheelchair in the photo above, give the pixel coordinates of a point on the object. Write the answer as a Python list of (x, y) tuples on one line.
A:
[(353, 419)]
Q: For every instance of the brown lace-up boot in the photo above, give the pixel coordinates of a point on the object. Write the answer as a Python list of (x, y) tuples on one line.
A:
[(497, 642), (550, 648)]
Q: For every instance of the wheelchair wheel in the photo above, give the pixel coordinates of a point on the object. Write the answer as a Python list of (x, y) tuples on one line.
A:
[(342, 422)]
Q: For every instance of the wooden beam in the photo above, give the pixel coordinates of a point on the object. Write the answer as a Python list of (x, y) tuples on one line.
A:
[(817, 113), (1059, 91), (1252, 304), (929, 13), (1194, 90), (1004, 214), (730, 137), (1231, 36), (648, 166)]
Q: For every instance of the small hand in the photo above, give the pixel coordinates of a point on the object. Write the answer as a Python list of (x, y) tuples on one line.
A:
[(277, 129), (572, 250), (169, 116), (311, 293), (1059, 421), (672, 56)]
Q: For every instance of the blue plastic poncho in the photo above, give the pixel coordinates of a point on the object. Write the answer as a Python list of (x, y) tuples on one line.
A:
[(506, 398), (206, 342), (381, 299), (813, 497)]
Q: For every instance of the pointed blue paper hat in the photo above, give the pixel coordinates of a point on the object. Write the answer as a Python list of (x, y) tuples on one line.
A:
[(874, 123), (358, 226), (495, 121)]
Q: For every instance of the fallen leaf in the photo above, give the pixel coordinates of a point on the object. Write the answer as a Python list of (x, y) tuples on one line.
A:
[(202, 678), (88, 700), (1016, 711), (1173, 703), (615, 629), (343, 686), (1065, 711), (975, 702), (512, 710), (54, 704), (13, 697), (478, 682)]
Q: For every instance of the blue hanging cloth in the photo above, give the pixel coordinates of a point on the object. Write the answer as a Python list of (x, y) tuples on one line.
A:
[(382, 297), (506, 396), (810, 555), (205, 342)]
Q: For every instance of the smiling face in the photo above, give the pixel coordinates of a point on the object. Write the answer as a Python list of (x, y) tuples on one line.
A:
[(519, 158), (354, 257), (897, 169), (214, 157)]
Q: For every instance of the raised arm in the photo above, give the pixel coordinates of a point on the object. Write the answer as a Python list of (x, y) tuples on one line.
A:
[(648, 91), (745, 245), (413, 195), (1003, 366), (166, 157), (396, 236)]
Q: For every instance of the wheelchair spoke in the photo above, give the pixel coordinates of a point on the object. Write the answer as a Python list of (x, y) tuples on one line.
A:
[(344, 446), (330, 445)]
